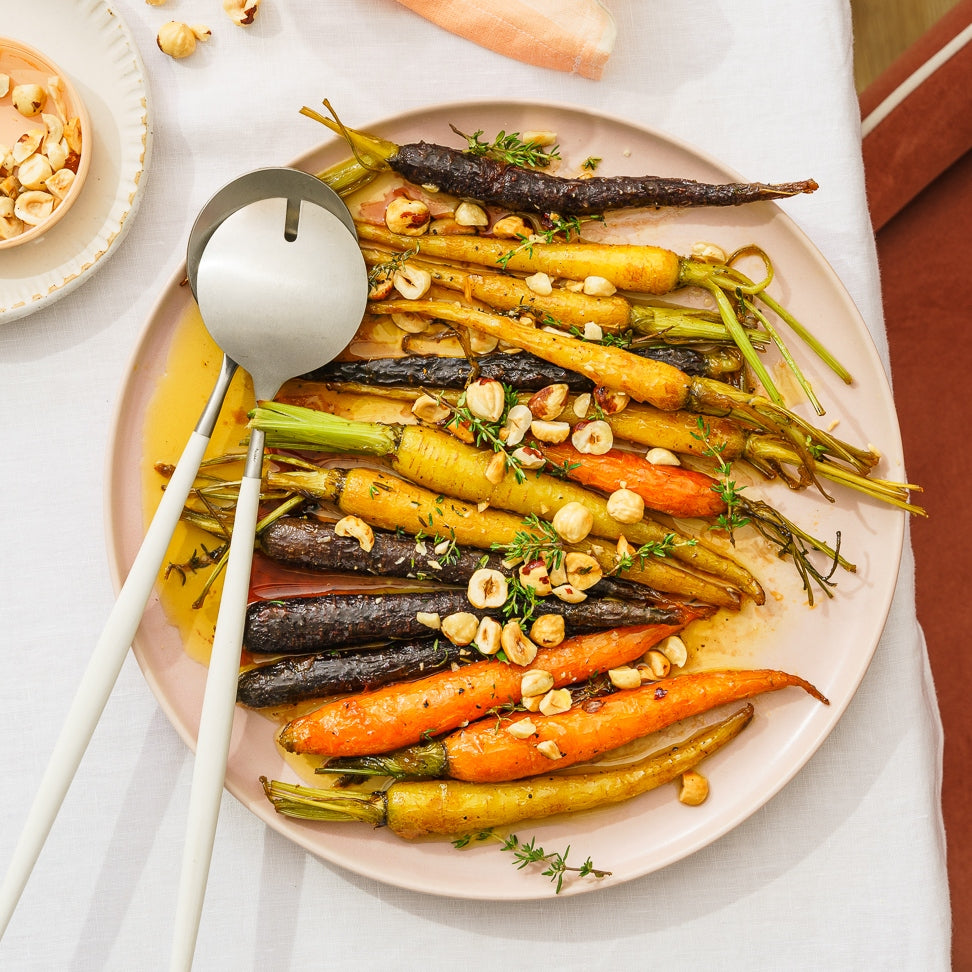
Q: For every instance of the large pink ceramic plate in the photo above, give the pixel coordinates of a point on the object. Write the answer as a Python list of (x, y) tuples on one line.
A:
[(830, 643)]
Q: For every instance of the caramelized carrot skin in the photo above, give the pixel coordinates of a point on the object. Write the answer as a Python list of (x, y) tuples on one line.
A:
[(400, 715), (462, 173), (427, 808), (487, 753), (643, 379), (667, 489)]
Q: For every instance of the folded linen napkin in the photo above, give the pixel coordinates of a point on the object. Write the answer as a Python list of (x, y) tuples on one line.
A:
[(576, 36)]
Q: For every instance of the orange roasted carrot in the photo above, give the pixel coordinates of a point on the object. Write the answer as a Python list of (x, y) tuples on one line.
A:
[(398, 715), (667, 489), (488, 752)]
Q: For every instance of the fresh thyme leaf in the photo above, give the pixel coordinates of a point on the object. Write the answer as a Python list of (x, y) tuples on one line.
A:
[(511, 148), (653, 548), (562, 471), (620, 339), (568, 227), (733, 518), (539, 541), (484, 433), (521, 602), (387, 269), (195, 562), (446, 549), (591, 162), (527, 853)]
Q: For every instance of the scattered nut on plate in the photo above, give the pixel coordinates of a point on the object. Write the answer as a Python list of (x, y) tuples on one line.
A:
[(44, 145)]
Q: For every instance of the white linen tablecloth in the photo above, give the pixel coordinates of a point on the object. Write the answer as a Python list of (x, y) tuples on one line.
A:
[(845, 869)]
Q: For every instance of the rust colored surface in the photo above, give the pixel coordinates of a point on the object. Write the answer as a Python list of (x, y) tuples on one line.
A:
[(929, 130), (928, 321), (918, 168)]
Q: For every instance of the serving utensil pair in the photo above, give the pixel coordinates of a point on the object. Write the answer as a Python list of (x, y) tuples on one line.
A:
[(274, 265)]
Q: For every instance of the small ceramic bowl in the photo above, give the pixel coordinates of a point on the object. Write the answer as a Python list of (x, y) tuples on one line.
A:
[(45, 143)]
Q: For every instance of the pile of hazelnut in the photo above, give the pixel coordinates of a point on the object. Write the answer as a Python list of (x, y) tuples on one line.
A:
[(38, 170)]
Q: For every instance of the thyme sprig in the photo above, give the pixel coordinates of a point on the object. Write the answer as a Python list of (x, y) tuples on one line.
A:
[(733, 518), (568, 227), (445, 549), (511, 148), (527, 853), (388, 268), (484, 433), (196, 562), (653, 548), (539, 541), (782, 533), (522, 602)]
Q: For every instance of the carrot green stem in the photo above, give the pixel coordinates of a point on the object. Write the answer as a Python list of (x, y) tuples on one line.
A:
[(738, 334), (412, 762), (788, 358), (293, 427), (307, 803), (813, 343), (684, 324), (722, 280)]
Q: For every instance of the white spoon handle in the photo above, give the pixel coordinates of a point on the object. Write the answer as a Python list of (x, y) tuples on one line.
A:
[(100, 676), (216, 721)]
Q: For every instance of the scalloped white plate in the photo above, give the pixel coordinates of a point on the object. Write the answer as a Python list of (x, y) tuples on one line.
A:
[(92, 44), (831, 643)]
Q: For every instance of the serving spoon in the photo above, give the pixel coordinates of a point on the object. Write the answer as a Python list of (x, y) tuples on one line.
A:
[(281, 286), (116, 638)]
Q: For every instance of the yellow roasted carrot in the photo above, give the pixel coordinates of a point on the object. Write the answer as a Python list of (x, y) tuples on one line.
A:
[(506, 293), (414, 809), (644, 269)]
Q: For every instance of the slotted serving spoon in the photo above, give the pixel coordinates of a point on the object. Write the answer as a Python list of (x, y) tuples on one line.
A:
[(281, 287), (116, 638)]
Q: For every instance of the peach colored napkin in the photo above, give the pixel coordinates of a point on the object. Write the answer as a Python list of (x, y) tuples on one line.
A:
[(576, 36)]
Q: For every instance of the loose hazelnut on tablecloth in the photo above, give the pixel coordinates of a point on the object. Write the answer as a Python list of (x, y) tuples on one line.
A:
[(178, 40), (241, 12)]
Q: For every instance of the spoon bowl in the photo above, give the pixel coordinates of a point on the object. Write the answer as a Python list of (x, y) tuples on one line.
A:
[(281, 292)]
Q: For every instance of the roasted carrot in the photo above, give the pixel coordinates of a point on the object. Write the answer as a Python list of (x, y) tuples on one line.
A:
[(313, 545), (643, 379), (443, 808), (633, 267), (496, 183), (524, 371), (388, 718), (507, 293), (290, 680), (640, 424), (302, 625), (391, 503), (667, 489), (562, 307), (669, 389), (488, 752), (478, 174), (644, 269), (438, 461)]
